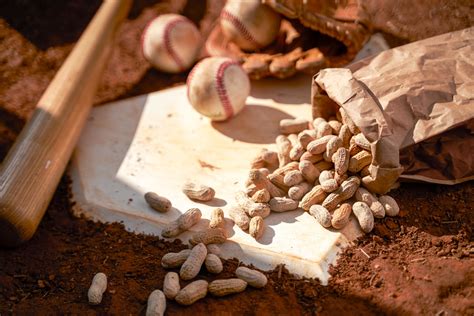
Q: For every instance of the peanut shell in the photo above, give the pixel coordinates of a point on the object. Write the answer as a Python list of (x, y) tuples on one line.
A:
[(227, 286), (191, 267), (191, 293), (158, 203), (254, 278), (321, 214)]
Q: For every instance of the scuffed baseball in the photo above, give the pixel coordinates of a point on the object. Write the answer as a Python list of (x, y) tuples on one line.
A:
[(249, 24), (218, 88), (171, 43)]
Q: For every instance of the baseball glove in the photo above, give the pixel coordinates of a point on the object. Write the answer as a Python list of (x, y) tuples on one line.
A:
[(317, 34)]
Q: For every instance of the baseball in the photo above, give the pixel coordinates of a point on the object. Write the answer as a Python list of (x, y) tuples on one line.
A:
[(171, 43), (249, 24), (218, 88)]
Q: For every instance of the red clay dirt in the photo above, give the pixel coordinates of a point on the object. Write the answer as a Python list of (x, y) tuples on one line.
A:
[(421, 262)]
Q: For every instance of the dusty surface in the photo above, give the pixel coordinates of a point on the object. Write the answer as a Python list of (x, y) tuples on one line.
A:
[(419, 263)]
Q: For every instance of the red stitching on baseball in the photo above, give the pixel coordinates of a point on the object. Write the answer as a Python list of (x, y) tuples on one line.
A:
[(190, 77), (240, 27), (221, 91), (167, 42), (142, 38)]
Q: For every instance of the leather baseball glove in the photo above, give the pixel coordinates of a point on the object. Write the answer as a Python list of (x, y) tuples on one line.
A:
[(328, 33)]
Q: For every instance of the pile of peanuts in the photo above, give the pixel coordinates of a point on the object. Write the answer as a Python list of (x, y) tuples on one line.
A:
[(190, 262), (318, 167)]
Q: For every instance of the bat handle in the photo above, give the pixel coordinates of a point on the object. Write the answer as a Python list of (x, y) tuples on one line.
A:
[(34, 165)]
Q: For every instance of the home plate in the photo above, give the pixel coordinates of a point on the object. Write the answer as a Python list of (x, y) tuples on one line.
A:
[(157, 141)]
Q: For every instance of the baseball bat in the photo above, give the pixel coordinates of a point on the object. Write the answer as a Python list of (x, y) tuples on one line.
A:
[(34, 165)]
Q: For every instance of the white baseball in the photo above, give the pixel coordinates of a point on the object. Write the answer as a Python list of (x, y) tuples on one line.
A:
[(249, 24), (218, 88), (171, 43)]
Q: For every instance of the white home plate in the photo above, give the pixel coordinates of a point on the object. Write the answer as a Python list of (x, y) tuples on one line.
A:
[(157, 141)]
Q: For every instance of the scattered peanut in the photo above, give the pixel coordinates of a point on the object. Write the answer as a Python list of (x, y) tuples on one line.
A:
[(329, 185), (256, 227), (293, 178), (340, 217), (305, 137), (217, 218), (309, 171), (345, 192), (321, 214), (318, 121), (335, 126), (213, 264), (307, 156), (182, 223), (284, 147), (250, 207), (190, 268), (254, 278), (318, 146), (332, 146), (298, 191), (377, 209), (354, 149), (361, 141), (364, 216), (175, 259), (323, 165), (239, 217), (296, 152), (326, 175), (214, 249), (279, 181), (158, 203), (341, 160), (359, 161), (208, 236), (227, 286), (262, 182), (282, 204), (363, 195), (271, 159), (323, 129), (287, 168), (171, 285), (390, 205), (261, 196), (291, 126), (345, 135), (316, 195), (191, 293), (156, 304), (198, 192), (251, 189), (97, 288)]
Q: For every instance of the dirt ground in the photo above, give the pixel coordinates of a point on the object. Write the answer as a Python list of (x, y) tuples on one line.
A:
[(420, 263)]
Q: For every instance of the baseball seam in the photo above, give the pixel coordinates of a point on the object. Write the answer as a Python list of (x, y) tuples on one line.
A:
[(142, 38), (221, 90), (226, 15), (190, 78), (169, 46)]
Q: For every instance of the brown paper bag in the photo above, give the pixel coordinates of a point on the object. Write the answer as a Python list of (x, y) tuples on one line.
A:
[(415, 104)]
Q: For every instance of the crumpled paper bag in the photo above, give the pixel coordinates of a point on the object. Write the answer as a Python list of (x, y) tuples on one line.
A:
[(415, 104)]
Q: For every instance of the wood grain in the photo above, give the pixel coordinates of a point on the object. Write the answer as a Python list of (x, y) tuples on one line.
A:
[(32, 169)]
